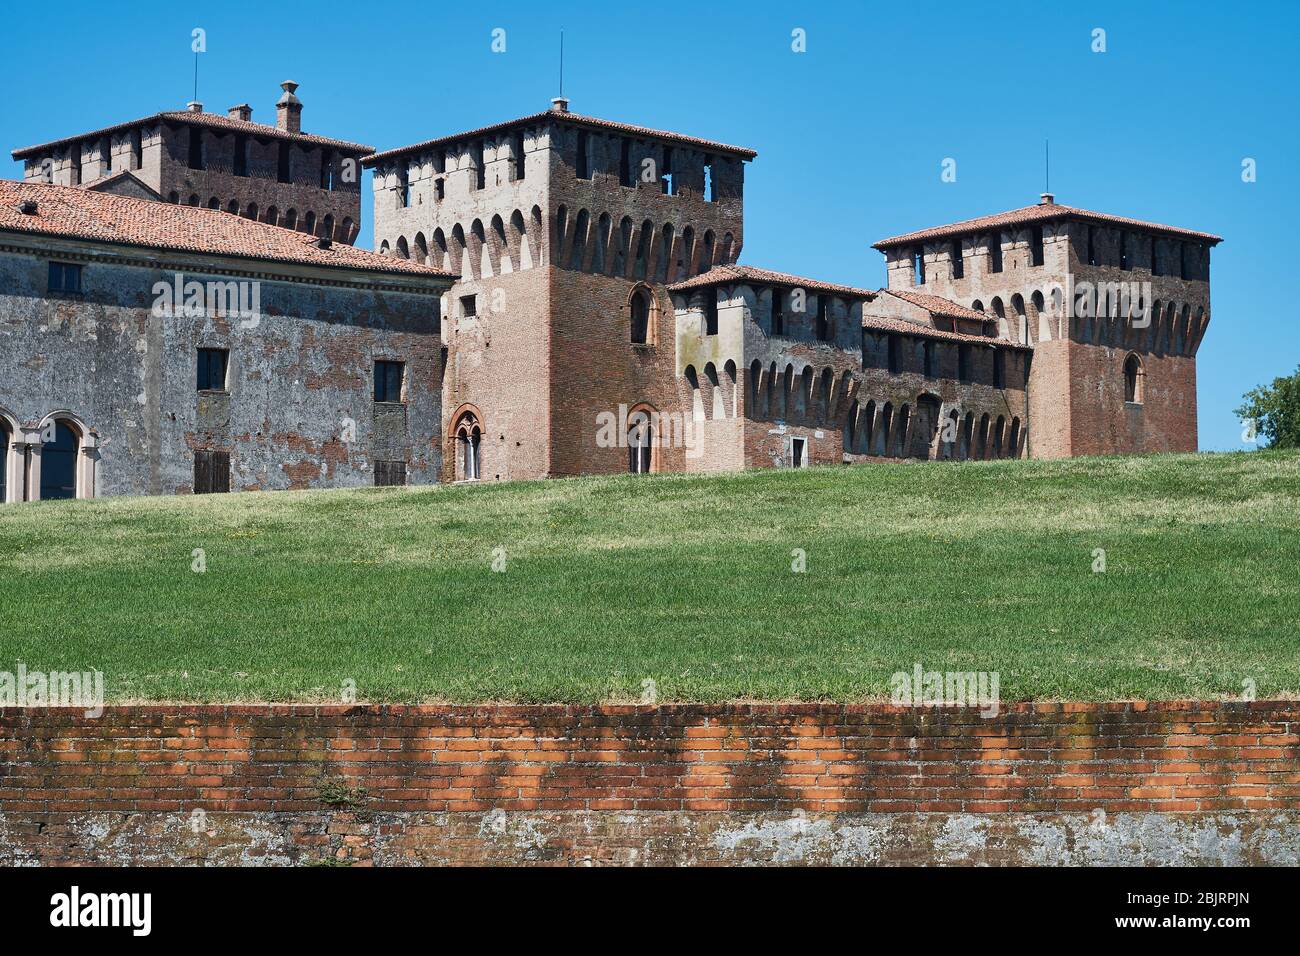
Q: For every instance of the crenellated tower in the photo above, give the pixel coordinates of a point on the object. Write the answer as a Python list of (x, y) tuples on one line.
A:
[(565, 231)]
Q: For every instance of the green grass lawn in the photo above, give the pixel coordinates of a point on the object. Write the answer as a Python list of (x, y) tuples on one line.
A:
[(685, 580)]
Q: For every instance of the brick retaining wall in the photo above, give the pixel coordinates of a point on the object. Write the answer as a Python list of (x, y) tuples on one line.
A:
[(450, 783)]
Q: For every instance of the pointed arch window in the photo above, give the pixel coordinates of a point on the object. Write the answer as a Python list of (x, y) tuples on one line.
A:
[(469, 441), (1133, 379)]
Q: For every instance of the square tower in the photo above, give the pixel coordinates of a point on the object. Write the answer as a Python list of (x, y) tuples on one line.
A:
[(1113, 308), (565, 231)]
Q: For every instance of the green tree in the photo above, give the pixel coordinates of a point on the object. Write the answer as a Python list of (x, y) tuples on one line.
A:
[(1275, 410)]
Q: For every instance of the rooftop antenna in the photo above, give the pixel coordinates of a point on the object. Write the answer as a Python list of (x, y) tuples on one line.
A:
[(196, 76), (1047, 198), (559, 103)]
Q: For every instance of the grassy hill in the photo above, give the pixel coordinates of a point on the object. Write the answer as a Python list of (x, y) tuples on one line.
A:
[(684, 580)]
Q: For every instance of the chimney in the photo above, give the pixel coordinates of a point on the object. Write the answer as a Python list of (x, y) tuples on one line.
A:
[(288, 110), (27, 207), (1046, 199), (194, 106), (242, 112), (560, 104)]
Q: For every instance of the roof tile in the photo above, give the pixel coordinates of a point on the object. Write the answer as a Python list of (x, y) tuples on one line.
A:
[(1039, 212), (73, 212), (564, 117), (209, 120)]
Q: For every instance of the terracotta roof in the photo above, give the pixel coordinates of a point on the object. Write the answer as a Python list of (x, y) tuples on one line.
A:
[(1039, 212), (210, 120), (937, 305), (882, 323), (726, 274), (565, 117), (76, 213), (100, 185)]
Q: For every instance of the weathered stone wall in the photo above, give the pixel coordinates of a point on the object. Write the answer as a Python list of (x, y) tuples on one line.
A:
[(298, 410), (786, 783)]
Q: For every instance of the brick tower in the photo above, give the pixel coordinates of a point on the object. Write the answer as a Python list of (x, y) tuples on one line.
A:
[(566, 231)]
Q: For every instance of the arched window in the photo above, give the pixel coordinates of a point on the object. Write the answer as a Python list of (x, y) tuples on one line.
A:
[(421, 249), (194, 199), (1133, 375), (59, 462), (232, 207), (291, 219), (327, 226), (999, 431), (579, 251), (469, 440), (4, 461), (901, 442), (214, 203), (272, 216), (641, 306), (309, 224), (640, 441), (403, 251), (1013, 447)]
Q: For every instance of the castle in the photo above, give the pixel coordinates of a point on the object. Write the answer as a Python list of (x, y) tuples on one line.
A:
[(183, 312)]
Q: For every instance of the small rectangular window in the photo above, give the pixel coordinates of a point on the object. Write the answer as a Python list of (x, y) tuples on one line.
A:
[(212, 370), (390, 474), (1036, 246), (517, 147), (710, 313), (799, 452), (958, 263), (196, 148), (65, 277), (1183, 271), (1155, 257), (999, 369), (918, 266), (480, 167), (582, 164), (74, 158), (282, 163), (106, 154), (929, 348), (440, 189), (895, 353), (241, 156), (211, 472), (468, 306), (778, 312), (404, 189), (388, 381), (963, 363), (625, 163), (1125, 263), (709, 193), (995, 252), (137, 148), (666, 174), (326, 169), (823, 319), (1092, 248)]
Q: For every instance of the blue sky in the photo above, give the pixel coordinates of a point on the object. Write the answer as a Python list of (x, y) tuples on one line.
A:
[(850, 133)]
